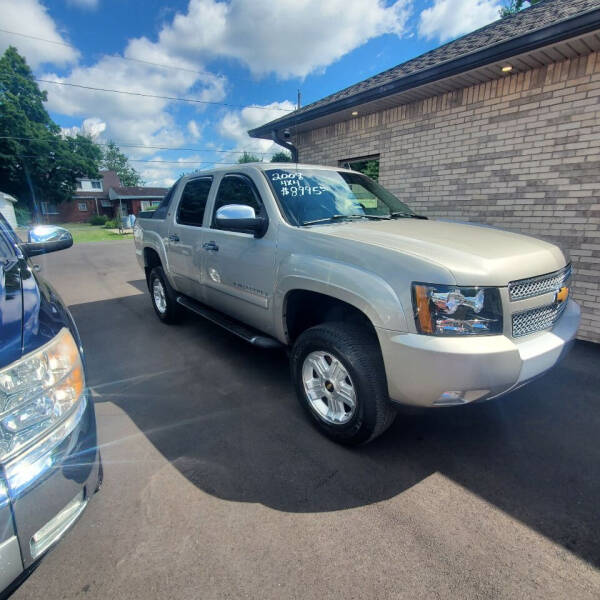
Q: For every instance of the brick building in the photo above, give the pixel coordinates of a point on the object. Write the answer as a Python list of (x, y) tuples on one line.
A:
[(104, 196), (501, 126)]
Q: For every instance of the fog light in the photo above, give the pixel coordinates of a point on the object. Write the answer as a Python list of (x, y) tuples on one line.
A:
[(449, 398)]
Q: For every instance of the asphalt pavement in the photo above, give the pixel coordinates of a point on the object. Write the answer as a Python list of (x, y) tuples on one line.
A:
[(217, 486)]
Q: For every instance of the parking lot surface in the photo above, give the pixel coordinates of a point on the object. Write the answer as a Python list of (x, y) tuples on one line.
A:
[(217, 486)]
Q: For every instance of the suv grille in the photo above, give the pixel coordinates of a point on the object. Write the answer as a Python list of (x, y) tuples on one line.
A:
[(536, 286), (536, 319)]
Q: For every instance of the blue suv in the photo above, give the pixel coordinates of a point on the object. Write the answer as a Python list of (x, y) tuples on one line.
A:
[(49, 459)]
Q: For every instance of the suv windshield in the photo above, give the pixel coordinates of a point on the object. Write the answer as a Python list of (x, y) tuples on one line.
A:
[(8, 239), (310, 196)]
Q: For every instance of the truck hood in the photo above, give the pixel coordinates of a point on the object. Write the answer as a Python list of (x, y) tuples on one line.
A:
[(474, 254)]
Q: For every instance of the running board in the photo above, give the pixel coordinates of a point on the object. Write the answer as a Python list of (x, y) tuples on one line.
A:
[(248, 334)]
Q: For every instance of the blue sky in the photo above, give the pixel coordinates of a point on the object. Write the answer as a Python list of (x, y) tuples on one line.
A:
[(247, 58)]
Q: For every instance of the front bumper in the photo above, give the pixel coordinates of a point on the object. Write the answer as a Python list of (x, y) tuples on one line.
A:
[(46, 489), (421, 369)]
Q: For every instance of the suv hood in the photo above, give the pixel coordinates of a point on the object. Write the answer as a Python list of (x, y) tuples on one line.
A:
[(11, 311), (475, 254)]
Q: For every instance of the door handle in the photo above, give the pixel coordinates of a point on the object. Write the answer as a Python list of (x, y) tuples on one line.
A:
[(173, 237), (210, 247)]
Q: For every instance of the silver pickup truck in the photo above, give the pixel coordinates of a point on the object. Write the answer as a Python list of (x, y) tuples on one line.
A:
[(377, 304)]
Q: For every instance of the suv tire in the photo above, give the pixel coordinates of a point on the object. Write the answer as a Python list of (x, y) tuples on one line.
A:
[(164, 297), (338, 373)]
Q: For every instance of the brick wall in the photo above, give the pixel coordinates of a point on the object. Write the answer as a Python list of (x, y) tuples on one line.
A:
[(521, 152), (68, 211)]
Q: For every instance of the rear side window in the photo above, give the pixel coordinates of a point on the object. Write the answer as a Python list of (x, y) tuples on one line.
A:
[(193, 201), (237, 189), (163, 207)]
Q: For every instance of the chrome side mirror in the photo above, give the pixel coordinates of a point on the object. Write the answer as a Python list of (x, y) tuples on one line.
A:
[(47, 238), (241, 217)]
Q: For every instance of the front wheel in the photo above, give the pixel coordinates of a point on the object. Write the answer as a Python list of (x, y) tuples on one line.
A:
[(340, 380), (163, 297)]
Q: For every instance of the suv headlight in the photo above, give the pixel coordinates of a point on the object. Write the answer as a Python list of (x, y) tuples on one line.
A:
[(38, 391), (451, 310)]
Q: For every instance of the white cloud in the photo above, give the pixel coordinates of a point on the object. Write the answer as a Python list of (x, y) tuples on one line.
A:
[(194, 129), (141, 120), (287, 37), (30, 17), (93, 127), (165, 174), (89, 4), (235, 124), (448, 19)]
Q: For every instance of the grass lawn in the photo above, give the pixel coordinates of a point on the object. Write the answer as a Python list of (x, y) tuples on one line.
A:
[(84, 232)]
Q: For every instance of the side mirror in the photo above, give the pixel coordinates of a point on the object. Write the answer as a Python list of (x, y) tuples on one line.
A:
[(47, 238), (240, 217)]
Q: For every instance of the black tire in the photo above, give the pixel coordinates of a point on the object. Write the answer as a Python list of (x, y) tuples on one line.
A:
[(171, 312), (357, 349)]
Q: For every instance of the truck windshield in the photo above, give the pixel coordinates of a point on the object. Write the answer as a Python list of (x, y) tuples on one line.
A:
[(311, 196)]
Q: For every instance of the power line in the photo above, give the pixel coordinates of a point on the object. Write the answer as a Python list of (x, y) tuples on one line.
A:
[(172, 162), (146, 62), (137, 60), (127, 145), (130, 93)]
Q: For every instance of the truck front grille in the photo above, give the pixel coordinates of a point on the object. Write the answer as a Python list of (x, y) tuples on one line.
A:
[(536, 286), (536, 319)]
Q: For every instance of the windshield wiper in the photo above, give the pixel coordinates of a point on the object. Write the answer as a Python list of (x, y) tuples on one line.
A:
[(407, 215), (334, 218)]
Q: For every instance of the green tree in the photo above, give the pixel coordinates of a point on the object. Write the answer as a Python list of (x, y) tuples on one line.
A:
[(282, 156), (248, 158), (36, 162), (114, 160), (514, 6)]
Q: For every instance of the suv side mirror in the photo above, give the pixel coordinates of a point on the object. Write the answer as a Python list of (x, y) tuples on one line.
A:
[(47, 238), (240, 217)]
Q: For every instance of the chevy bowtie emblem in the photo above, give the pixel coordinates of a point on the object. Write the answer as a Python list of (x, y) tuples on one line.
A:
[(561, 295)]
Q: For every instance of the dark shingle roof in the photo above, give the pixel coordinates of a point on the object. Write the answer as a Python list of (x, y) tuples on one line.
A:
[(534, 19)]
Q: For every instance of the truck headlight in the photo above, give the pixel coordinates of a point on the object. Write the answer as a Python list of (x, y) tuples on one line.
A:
[(451, 310), (38, 391)]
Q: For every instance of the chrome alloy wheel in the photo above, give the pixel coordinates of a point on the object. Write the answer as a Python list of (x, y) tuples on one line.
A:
[(158, 293), (328, 387)]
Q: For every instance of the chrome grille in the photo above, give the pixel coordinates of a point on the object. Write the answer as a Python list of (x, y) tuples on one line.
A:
[(536, 319), (536, 286)]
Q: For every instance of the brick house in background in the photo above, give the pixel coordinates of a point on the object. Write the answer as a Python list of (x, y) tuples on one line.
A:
[(501, 126), (104, 196)]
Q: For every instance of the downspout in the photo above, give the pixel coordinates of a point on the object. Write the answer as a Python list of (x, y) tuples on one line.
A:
[(285, 143)]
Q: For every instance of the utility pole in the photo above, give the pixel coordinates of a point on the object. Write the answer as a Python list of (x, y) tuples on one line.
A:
[(299, 100)]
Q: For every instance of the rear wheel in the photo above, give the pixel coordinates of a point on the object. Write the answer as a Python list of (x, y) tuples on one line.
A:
[(164, 297), (340, 380)]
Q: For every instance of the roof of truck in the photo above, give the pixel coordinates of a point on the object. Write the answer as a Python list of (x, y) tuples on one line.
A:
[(261, 166)]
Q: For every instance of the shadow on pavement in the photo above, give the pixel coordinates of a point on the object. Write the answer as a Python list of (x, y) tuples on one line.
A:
[(224, 414)]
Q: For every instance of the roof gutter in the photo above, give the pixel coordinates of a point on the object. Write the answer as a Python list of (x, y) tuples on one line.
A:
[(558, 32)]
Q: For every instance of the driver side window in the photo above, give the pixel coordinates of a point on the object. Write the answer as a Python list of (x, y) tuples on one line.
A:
[(237, 189)]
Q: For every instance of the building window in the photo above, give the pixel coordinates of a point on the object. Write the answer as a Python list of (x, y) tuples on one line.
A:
[(82, 206), (149, 204), (48, 208), (88, 185), (367, 165), (105, 203)]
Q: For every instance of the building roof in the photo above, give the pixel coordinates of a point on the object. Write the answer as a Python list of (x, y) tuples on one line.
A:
[(539, 25), (137, 192), (109, 179)]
